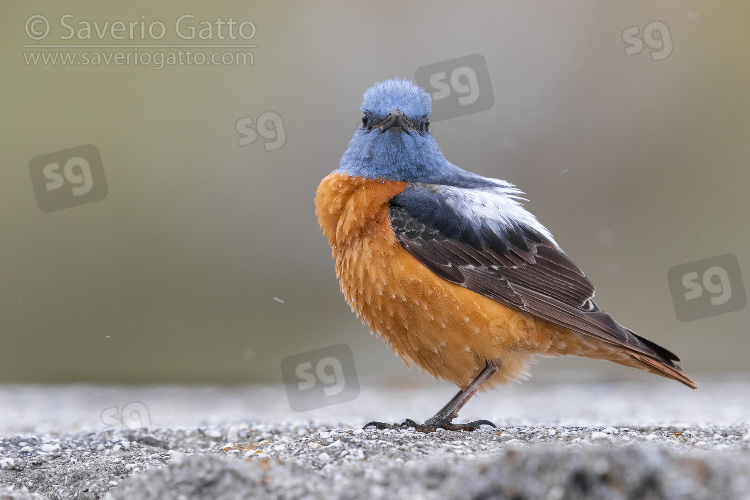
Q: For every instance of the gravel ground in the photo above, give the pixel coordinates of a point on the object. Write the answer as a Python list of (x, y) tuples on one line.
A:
[(585, 440)]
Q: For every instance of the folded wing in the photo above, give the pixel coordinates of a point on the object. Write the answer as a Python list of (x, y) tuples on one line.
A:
[(484, 240)]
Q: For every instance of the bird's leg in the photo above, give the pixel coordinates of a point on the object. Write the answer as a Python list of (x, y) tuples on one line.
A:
[(444, 418), (450, 411)]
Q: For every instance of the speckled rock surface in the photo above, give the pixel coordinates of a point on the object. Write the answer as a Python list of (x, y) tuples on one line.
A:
[(556, 441)]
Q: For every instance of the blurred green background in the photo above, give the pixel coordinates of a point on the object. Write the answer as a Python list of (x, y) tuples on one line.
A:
[(204, 262)]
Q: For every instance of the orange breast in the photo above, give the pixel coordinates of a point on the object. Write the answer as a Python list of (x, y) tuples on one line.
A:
[(441, 327)]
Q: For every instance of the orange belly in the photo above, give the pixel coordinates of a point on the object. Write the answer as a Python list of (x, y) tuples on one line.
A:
[(443, 328)]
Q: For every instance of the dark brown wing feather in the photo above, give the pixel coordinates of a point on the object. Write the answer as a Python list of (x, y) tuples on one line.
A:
[(526, 271)]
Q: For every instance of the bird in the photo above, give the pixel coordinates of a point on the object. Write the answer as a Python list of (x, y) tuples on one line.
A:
[(450, 269)]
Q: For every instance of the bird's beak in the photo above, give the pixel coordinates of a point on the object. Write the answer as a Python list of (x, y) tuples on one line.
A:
[(396, 120)]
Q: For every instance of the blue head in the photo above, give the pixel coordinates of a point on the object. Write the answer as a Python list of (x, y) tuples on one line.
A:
[(394, 140)]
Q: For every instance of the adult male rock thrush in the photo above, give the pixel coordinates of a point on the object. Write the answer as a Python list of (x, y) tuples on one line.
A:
[(450, 270)]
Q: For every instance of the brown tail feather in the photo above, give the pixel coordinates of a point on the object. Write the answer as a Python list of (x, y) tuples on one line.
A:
[(659, 363), (665, 371)]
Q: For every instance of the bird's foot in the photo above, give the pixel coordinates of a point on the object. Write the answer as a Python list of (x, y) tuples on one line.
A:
[(431, 425)]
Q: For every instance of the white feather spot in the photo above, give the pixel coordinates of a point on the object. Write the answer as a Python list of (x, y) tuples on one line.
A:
[(493, 207)]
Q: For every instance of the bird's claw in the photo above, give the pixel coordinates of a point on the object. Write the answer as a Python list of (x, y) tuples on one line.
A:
[(431, 425)]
